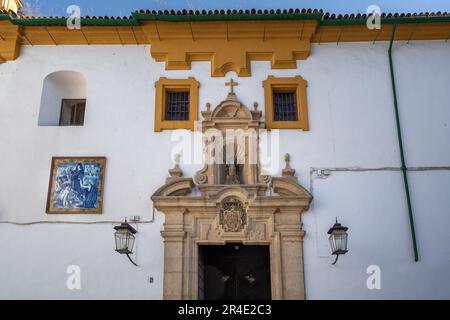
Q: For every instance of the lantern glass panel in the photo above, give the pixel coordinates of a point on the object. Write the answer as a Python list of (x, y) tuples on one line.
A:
[(338, 242), (124, 241)]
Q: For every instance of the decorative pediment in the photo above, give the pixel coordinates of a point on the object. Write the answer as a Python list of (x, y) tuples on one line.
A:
[(236, 192), (231, 113), (175, 187), (288, 187), (231, 109)]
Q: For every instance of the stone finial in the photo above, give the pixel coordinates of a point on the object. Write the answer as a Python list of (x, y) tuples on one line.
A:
[(287, 171), (207, 114), (176, 171), (256, 114)]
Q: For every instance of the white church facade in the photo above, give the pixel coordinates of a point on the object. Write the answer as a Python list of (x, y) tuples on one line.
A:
[(114, 120)]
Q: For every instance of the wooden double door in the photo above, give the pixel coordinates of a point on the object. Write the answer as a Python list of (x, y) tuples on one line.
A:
[(234, 272)]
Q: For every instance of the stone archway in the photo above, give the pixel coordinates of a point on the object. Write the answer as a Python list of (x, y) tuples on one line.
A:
[(227, 210)]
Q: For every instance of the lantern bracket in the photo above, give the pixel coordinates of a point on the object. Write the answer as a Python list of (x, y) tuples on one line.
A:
[(335, 260), (129, 258)]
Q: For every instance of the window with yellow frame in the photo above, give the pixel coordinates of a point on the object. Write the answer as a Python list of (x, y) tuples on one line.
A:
[(176, 103), (285, 103)]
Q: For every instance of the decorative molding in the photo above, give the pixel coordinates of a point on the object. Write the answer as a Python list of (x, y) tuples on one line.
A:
[(9, 41), (288, 186), (298, 84), (175, 187), (257, 233), (226, 56), (229, 44), (161, 87)]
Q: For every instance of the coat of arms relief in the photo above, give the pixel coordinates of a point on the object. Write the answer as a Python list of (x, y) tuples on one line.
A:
[(232, 215)]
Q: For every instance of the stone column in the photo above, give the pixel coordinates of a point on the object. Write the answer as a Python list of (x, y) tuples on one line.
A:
[(291, 246), (173, 236)]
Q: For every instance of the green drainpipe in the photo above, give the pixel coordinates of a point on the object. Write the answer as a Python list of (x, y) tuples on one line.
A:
[(400, 142)]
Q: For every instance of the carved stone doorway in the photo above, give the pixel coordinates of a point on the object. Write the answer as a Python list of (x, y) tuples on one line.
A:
[(229, 203)]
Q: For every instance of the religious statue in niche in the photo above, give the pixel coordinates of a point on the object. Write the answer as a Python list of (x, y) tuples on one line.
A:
[(232, 174), (233, 170), (232, 215), (237, 158)]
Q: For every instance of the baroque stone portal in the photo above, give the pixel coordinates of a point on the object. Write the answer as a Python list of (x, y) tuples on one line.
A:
[(230, 201)]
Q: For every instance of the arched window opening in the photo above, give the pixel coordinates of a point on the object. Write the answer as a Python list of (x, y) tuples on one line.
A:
[(63, 100)]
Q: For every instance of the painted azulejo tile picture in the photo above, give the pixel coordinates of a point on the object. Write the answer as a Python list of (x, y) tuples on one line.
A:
[(76, 185)]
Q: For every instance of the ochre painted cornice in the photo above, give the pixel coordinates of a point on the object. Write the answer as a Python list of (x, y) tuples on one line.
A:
[(230, 45), (233, 55), (9, 41), (360, 32)]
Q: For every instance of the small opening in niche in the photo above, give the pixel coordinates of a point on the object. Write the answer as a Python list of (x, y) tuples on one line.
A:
[(72, 112), (63, 100)]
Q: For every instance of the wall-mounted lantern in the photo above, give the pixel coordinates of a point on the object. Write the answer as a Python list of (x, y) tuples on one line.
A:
[(338, 239), (124, 237)]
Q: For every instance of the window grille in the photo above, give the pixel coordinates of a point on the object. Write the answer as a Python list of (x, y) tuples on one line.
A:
[(285, 106), (177, 106)]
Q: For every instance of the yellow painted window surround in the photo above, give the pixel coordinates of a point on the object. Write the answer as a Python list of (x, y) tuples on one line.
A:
[(296, 84), (164, 85)]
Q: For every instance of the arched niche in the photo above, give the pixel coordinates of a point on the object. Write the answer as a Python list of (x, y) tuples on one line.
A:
[(57, 86)]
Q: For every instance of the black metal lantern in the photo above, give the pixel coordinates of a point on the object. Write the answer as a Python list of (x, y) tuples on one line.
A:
[(338, 239), (124, 237)]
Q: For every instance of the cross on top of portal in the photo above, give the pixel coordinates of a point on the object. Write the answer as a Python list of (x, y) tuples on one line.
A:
[(231, 84)]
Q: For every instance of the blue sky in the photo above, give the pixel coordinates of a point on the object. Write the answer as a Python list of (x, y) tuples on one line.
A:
[(125, 7)]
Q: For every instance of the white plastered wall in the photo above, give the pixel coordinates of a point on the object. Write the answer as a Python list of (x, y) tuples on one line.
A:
[(351, 125)]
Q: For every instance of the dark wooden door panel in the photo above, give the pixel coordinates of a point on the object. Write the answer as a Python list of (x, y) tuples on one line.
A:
[(235, 272)]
